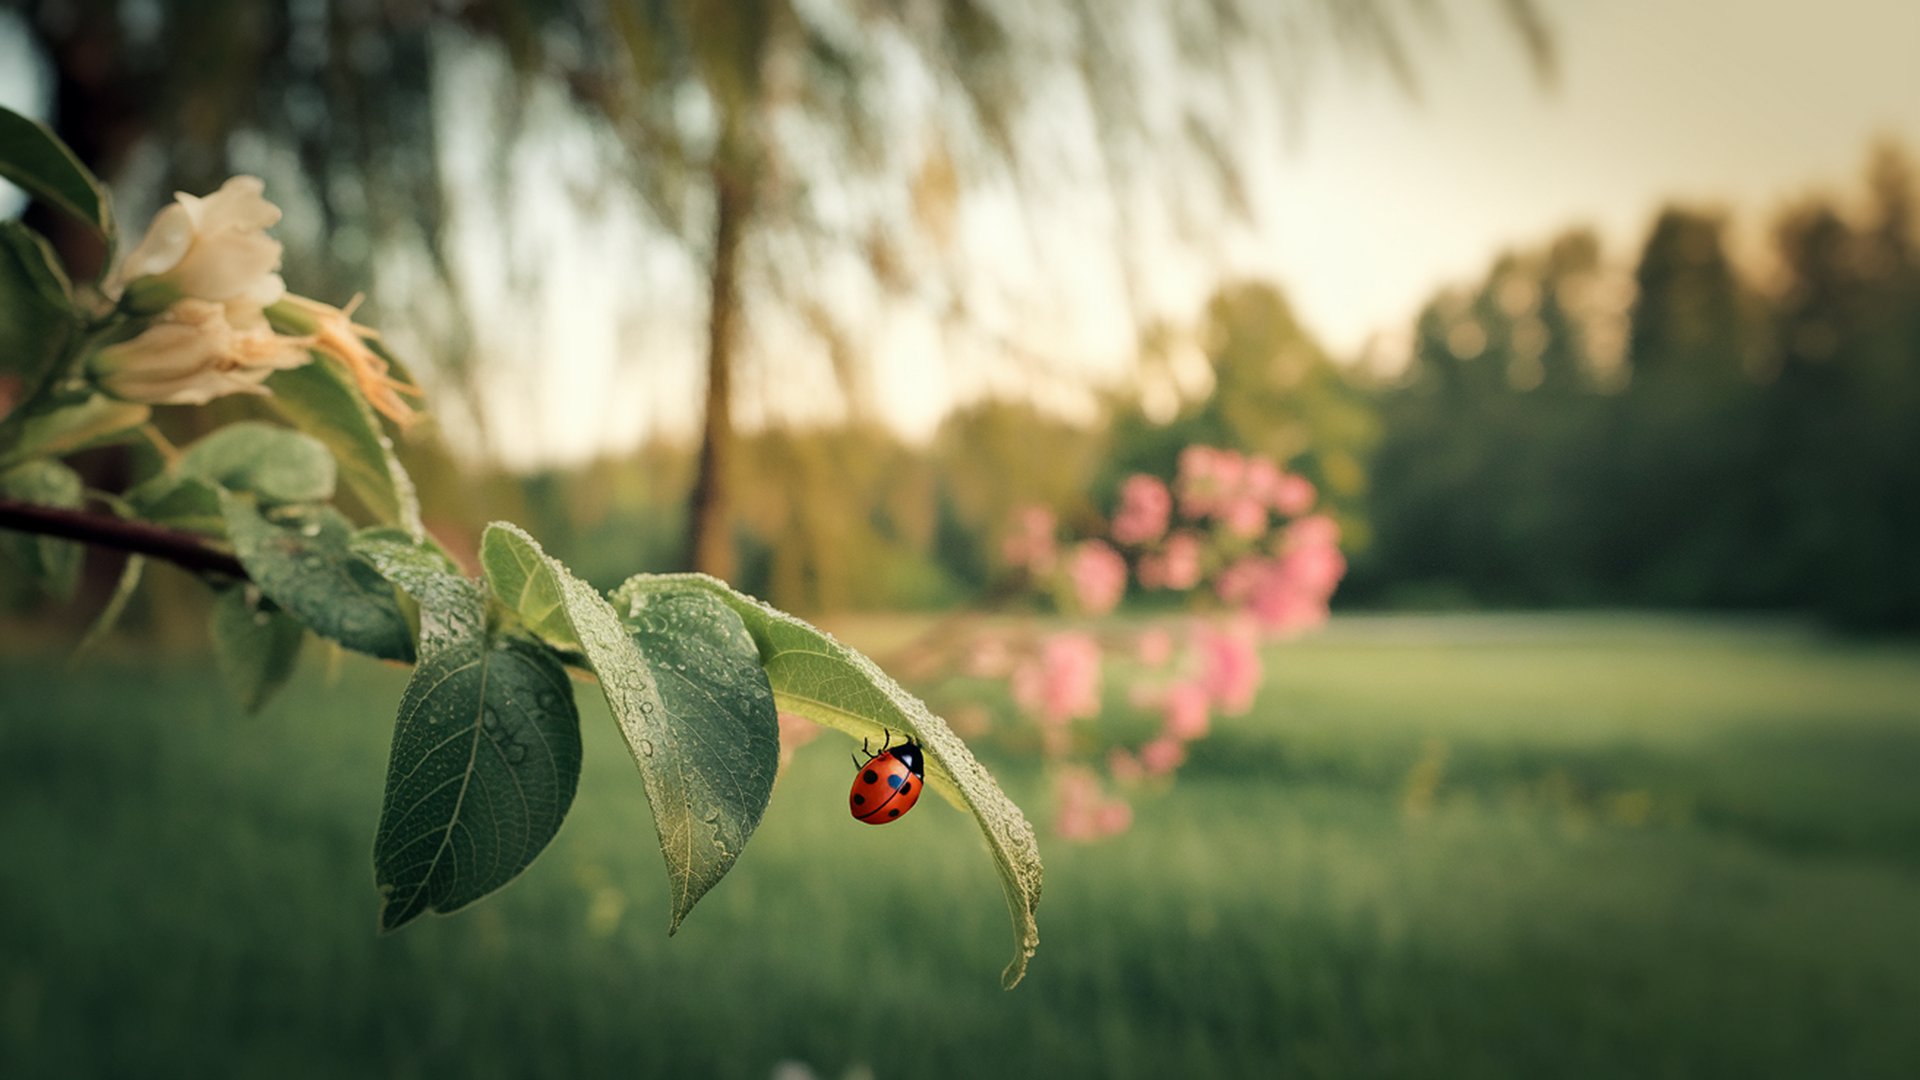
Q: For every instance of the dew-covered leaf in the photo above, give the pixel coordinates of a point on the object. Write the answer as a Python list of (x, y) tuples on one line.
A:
[(255, 645), (276, 464), (815, 676), (520, 575), (55, 564), (320, 399), (486, 751), (685, 685), (303, 560), (34, 158)]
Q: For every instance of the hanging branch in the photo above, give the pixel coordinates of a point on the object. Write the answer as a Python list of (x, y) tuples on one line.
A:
[(183, 549)]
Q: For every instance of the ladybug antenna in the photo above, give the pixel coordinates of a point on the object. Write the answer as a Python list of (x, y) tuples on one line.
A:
[(889, 742)]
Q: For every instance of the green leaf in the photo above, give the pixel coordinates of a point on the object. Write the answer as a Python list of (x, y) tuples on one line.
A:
[(179, 502), (369, 540), (520, 575), (303, 560), (278, 465), (685, 685), (34, 158), (48, 428), (486, 753), (817, 677), (55, 564), (39, 267), (255, 644), (109, 617), (320, 399), (37, 318)]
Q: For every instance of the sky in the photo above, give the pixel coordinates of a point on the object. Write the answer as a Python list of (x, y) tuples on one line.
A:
[(1739, 103), (1369, 203)]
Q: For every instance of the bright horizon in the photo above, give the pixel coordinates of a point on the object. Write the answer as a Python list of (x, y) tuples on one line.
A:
[(1741, 104)]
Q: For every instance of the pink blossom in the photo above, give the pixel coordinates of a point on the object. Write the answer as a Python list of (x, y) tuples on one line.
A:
[(1113, 817), (1184, 707), (1316, 531), (1230, 668), (1155, 647), (1237, 583), (1030, 546), (1145, 505), (1180, 561), (1099, 577), (1162, 755), (1083, 811), (1243, 516), (1205, 475), (1314, 569), (1293, 495), (1125, 767), (1065, 683), (1282, 610), (1263, 477), (1153, 572), (1076, 796)]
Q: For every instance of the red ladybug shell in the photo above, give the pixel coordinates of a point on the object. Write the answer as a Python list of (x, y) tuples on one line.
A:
[(887, 786)]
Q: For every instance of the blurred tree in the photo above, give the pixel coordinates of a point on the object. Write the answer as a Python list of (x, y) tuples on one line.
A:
[(1687, 480), (749, 127), (1753, 447), (1275, 391), (1845, 407)]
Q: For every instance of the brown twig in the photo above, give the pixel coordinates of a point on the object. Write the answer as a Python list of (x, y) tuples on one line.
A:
[(183, 549)]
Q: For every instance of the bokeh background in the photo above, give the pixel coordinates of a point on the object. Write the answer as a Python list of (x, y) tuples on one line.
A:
[(1597, 328)]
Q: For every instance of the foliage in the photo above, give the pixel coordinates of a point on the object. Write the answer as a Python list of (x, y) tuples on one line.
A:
[(486, 751), (1694, 436), (1237, 541), (763, 142), (1646, 839)]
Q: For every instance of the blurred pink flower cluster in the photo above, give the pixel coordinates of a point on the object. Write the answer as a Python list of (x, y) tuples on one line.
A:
[(1287, 588), (1060, 685), (1086, 811), (1030, 545), (1240, 525), (1239, 491)]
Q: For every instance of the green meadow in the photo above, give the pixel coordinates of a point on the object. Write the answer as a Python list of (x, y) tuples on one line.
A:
[(1472, 845)]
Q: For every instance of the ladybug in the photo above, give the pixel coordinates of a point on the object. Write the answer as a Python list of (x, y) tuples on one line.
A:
[(888, 783)]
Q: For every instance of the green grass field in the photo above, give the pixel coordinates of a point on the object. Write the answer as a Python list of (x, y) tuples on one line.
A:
[(1452, 845)]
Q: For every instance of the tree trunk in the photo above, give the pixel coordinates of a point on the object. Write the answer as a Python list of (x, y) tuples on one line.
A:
[(709, 510)]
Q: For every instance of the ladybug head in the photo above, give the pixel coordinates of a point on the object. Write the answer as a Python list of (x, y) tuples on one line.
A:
[(909, 755)]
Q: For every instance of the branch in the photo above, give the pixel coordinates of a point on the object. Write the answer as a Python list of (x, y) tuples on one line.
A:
[(183, 549)]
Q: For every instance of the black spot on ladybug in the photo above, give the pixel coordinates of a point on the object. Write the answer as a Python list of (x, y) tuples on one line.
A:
[(893, 813), (904, 788), (858, 799), (870, 777)]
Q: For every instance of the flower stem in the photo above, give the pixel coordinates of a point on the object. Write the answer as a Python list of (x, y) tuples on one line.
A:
[(183, 549)]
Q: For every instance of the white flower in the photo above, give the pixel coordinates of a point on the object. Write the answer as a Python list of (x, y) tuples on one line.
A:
[(194, 353), (209, 268), (213, 248)]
